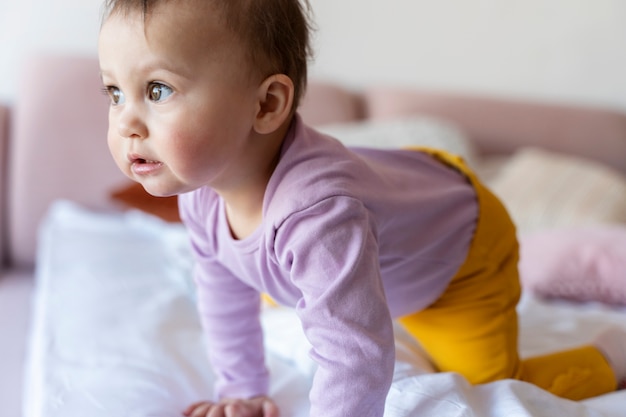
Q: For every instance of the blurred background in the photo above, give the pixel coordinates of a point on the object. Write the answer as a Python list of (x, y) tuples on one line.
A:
[(556, 50)]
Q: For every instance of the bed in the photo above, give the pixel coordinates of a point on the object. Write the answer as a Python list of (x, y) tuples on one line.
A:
[(96, 299)]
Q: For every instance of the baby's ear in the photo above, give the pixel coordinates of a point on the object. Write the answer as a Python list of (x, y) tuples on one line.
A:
[(274, 105)]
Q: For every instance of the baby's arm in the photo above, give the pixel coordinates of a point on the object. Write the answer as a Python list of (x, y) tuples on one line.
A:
[(253, 407), (229, 311), (332, 254)]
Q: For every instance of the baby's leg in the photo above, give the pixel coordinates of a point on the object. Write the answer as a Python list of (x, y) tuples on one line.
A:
[(472, 328), (575, 374)]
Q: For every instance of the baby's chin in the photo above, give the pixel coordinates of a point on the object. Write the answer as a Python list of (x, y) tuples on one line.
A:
[(160, 193), (165, 184), (157, 190)]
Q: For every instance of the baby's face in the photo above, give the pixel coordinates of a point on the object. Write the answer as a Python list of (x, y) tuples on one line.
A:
[(183, 98)]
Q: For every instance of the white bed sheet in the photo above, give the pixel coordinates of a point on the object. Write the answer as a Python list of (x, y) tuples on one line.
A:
[(115, 333)]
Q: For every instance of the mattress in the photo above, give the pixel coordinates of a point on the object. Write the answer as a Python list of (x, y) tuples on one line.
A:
[(115, 333)]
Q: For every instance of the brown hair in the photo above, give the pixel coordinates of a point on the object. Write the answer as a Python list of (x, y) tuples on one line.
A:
[(276, 33)]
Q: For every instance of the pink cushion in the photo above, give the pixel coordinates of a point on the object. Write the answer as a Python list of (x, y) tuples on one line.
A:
[(4, 137), (326, 103), (59, 147), (501, 126), (580, 264)]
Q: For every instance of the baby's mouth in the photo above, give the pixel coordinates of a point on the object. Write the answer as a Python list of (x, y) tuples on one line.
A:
[(144, 161), (142, 166)]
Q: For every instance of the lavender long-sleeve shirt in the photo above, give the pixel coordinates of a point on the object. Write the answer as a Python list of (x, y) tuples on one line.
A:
[(350, 238)]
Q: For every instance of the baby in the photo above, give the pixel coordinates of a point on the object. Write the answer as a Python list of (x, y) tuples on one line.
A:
[(204, 96)]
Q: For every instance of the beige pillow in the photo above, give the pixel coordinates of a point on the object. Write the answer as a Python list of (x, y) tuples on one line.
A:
[(544, 189)]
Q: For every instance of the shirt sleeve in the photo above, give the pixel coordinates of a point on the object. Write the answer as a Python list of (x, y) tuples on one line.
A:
[(332, 253), (230, 315)]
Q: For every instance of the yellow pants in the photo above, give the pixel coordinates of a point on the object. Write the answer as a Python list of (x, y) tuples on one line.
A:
[(472, 328)]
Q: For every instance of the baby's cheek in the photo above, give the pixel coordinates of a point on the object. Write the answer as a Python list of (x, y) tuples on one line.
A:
[(180, 156), (185, 146), (117, 153)]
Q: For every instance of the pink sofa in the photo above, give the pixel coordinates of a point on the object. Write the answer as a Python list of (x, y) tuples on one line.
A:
[(59, 104)]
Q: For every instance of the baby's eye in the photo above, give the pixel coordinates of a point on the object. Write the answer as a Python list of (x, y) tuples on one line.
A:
[(158, 92), (115, 94)]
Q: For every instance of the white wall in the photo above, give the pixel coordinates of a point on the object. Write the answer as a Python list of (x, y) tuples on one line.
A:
[(30, 26), (552, 49), (547, 49)]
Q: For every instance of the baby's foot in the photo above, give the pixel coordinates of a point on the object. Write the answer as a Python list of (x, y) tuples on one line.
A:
[(612, 343)]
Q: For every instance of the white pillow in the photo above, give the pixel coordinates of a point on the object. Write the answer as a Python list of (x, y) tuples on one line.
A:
[(401, 133), (114, 317)]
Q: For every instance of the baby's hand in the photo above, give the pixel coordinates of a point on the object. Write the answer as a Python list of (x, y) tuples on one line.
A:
[(230, 407)]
